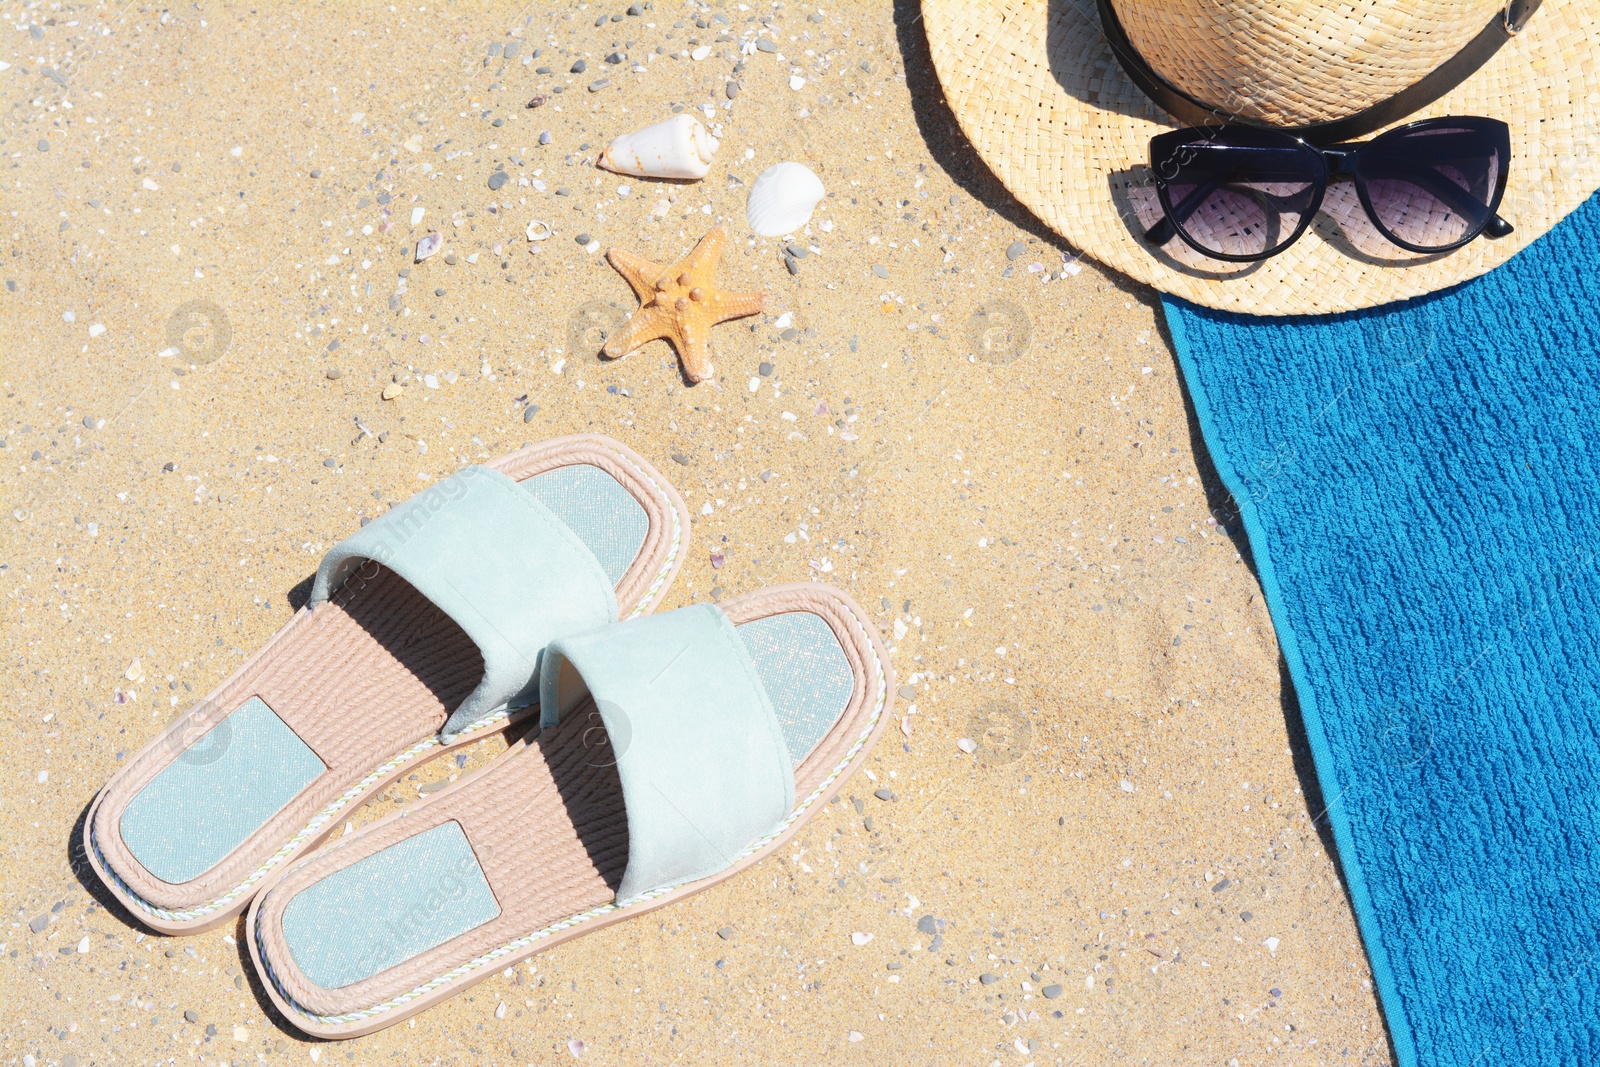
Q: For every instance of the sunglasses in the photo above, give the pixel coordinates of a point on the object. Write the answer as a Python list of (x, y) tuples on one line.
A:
[(1244, 193)]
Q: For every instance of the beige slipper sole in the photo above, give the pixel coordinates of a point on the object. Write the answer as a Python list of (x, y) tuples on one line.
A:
[(545, 822), (365, 682)]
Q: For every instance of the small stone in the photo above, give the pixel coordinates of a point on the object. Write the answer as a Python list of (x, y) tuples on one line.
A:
[(988, 979), (393, 390), (907, 692), (1220, 886), (880, 270), (44, 145), (928, 925), (582, 238), (1015, 249), (798, 251), (792, 265), (1051, 991), (732, 90), (439, 291), (497, 180), (580, 66), (883, 794), (726, 933), (544, 137), (191, 1016), (316, 172), (498, 122), (334, 374), (1245, 916), (37, 925), (615, 58), (331, 462), (595, 87), (635, 10), (680, 459), (859, 804), (529, 412), (765, 370), (766, 44)]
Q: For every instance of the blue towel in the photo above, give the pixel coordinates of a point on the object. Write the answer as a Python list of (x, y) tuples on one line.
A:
[(1420, 485)]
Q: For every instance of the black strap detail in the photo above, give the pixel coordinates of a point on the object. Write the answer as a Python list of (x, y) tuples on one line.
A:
[(1449, 74)]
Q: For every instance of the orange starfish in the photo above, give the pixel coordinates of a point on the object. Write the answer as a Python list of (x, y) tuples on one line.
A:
[(679, 303)]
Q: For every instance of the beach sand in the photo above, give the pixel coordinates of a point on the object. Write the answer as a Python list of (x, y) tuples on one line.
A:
[(210, 214)]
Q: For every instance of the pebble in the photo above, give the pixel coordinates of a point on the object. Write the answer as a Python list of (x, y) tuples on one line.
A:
[(331, 463), (1051, 991), (700, 53), (880, 270), (726, 933), (765, 370), (1220, 886), (1015, 249), (765, 44), (798, 251), (191, 1016), (792, 264), (529, 412), (334, 374), (393, 390), (635, 10), (439, 291), (38, 925), (928, 925), (498, 179), (44, 145), (595, 87), (580, 66), (615, 58), (883, 794), (316, 172), (732, 90), (907, 692), (544, 137), (988, 979), (582, 238)]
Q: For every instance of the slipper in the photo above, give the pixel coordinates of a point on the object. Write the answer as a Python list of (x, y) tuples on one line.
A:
[(422, 634), (673, 752)]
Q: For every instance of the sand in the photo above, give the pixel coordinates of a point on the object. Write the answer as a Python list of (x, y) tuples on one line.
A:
[(994, 454)]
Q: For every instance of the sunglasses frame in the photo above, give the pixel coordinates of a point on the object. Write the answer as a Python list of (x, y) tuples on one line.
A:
[(1331, 162)]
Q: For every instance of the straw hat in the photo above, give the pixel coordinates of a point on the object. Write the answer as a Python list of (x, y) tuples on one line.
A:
[(1039, 92)]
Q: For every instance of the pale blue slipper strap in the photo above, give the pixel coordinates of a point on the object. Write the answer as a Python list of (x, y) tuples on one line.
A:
[(496, 560), (700, 752)]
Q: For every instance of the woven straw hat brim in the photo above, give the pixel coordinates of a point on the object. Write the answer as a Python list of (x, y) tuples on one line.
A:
[(1040, 96)]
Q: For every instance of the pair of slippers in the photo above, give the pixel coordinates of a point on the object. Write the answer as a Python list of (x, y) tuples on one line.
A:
[(671, 751)]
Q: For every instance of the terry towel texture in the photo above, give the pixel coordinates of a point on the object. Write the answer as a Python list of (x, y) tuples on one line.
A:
[(1421, 490)]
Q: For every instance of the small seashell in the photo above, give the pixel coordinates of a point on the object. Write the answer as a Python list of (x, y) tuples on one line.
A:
[(680, 147), (783, 198), (428, 245), (538, 231)]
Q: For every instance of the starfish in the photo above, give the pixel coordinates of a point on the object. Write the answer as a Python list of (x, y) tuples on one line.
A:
[(679, 303)]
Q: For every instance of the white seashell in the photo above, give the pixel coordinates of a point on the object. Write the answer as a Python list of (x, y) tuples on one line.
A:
[(538, 231), (428, 245), (678, 148), (783, 198)]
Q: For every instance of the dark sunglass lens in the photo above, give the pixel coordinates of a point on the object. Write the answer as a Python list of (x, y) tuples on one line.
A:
[(1239, 193), (1434, 187)]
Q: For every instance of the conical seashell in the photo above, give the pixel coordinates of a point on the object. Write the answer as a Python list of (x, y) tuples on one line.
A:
[(782, 199), (678, 148)]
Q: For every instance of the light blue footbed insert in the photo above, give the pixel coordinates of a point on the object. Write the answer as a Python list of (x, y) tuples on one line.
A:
[(388, 907), (241, 773), (603, 514), (218, 792), (398, 903), (804, 672)]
